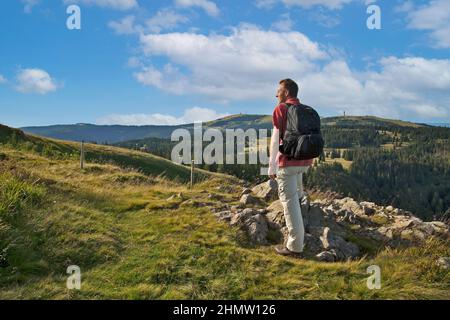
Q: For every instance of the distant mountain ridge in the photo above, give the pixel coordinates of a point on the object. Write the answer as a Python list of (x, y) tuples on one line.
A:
[(447, 125), (120, 133)]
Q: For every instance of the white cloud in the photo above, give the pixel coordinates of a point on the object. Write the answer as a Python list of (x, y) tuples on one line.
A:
[(405, 6), (433, 17), (2, 79), (35, 81), (134, 62), (124, 26), (189, 116), (265, 4), (29, 4), (284, 24), (227, 67), (248, 63), (330, 4), (324, 19), (165, 19), (208, 6), (114, 4), (403, 88)]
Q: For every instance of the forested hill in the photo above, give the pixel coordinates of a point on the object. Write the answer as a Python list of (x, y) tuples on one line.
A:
[(119, 133), (392, 162)]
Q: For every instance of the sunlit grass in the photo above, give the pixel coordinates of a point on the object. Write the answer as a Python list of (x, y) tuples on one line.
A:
[(116, 224)]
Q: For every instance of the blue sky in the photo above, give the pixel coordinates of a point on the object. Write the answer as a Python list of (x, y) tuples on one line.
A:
[(169, 62)]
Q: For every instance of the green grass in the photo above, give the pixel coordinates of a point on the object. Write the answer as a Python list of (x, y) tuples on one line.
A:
[(145, 163), (115, 223)]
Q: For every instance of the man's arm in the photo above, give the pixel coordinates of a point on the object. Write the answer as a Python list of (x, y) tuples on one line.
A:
[(274, 147)]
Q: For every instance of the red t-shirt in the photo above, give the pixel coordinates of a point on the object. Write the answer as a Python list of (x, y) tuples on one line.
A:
[(279, 120)]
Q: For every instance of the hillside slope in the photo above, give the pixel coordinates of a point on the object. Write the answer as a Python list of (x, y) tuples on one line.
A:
[(139, 236), (144, 162)]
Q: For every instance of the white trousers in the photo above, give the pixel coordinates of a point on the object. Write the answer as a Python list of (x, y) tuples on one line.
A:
[(290, 190)]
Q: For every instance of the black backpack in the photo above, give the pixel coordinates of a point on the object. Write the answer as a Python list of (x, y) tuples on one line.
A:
[(302, 139)]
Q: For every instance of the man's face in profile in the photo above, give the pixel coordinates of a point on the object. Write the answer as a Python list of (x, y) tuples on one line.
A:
[(282, 94)]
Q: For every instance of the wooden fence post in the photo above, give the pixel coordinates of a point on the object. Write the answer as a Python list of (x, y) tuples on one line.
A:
[(82, 155), (192, 174)]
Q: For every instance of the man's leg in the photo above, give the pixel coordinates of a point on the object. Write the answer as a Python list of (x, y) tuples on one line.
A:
[(300, 182), (300, 185), (287, 187)]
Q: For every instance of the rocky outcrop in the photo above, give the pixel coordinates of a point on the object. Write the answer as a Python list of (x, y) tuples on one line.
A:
[(267, 191), (248, 199), (332, 226)]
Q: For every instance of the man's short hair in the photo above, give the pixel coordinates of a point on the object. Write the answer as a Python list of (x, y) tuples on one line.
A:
[(290, 86)]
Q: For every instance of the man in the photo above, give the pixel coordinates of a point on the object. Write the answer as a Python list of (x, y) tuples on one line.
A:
[(288, 172)]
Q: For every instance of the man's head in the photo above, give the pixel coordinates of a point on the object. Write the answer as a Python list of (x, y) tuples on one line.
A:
[(287, 89)]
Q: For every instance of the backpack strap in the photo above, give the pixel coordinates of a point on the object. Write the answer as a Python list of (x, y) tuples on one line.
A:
[(288, 105)]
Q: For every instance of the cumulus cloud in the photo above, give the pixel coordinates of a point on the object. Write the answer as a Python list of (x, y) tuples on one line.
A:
[(2, 79), (35, 81), (330, 4), (114, 4), (265, 4), (324, 19), (247, 63), (238, 66), (433, 17), (208, 6), (403, 87), (165, 19), (190, 115), (284, 24), (124, 26)]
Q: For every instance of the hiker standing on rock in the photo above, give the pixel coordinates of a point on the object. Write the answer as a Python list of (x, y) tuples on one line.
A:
[(295, 142)]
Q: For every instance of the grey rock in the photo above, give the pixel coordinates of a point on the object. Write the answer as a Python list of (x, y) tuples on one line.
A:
[(248, 199), (276, 213), (315, 217), (236, 208), (267, 190), (350, 205), (327, 256), (257, 229), (224, 216), (312, 243), (240, 218), (344, 250), (443, 263), (250, 211)]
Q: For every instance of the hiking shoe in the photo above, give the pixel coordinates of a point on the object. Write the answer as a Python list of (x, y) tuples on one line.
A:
[(282, 250)]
